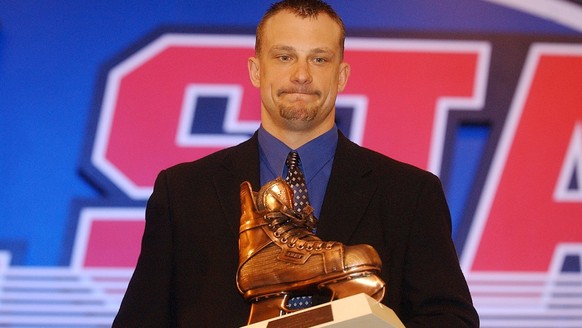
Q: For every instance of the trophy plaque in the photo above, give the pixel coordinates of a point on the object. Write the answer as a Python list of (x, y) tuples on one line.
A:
[(359, 310)]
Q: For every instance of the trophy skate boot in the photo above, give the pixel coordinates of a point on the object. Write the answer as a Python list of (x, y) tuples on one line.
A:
[(279, 256)]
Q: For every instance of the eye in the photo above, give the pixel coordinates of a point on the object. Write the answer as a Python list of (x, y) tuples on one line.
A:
[(320, 60), (284, 58)]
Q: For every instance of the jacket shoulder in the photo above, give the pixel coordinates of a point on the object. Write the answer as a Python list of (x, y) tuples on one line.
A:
[(381, 163), (230, 159)]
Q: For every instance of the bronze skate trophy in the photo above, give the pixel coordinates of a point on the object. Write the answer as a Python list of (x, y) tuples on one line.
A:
[(279, 256)]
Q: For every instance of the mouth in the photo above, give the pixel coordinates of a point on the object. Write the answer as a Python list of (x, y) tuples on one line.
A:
[(298, 92)]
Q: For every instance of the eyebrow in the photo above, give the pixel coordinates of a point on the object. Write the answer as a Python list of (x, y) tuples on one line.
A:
[(292, 49), (281, 47)]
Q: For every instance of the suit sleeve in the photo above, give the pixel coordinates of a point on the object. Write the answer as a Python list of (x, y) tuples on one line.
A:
[(147, 300), (436, 291)]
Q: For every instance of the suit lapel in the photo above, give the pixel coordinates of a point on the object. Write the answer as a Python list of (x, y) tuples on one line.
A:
[(240, 163), (350, 188)]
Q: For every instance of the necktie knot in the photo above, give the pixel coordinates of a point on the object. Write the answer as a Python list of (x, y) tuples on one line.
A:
[(292, 159)]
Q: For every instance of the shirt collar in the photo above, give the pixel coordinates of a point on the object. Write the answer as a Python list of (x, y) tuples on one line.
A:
[(314, 154)]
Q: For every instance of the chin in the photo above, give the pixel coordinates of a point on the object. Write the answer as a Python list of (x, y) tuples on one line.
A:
[(304, 115)]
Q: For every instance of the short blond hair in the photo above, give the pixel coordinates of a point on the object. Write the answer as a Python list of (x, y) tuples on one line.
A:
[(303, 9)]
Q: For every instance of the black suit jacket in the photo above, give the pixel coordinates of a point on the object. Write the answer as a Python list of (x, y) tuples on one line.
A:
[(186, 271)]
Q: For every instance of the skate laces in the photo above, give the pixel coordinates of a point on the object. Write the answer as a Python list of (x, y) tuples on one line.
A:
[(293, 228), (296, 230)]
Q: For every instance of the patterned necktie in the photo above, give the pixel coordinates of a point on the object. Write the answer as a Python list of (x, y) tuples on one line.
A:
[(296, 180)]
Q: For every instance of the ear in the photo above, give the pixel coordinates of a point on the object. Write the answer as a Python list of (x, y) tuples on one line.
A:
[(344, 74), (254, 71)]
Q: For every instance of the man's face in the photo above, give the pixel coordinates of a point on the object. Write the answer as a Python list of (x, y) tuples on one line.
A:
[(299, 72)]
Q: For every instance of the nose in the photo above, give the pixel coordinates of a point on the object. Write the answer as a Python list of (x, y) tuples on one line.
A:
[(301, 73)]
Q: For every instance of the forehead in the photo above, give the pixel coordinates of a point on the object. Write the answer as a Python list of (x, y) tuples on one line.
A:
[(286, 28)]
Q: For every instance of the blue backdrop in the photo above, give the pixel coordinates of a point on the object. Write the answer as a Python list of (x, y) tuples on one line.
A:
[(50, 57)]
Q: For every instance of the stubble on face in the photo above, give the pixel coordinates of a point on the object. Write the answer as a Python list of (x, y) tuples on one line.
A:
[(297, 107)]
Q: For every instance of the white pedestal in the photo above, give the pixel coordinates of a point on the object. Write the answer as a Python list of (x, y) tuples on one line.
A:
[(355, 311)]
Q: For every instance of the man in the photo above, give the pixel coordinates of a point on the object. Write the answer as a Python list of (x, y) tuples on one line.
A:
[(186, 271)]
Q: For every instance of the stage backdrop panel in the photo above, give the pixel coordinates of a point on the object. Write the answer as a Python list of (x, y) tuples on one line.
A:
[(97, 97)]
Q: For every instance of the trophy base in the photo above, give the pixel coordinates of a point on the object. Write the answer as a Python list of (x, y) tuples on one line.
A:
[(355, 311)]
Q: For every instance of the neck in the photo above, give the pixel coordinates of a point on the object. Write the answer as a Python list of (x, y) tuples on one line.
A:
[(294, 136)]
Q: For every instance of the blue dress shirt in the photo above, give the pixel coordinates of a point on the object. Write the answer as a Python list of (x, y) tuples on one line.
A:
[(316, 162)]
